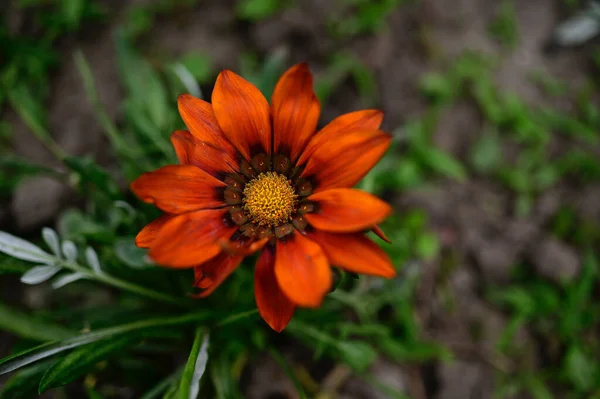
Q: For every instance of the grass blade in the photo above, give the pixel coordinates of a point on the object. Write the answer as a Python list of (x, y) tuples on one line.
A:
[(44, 351), (195, 367), (79, 362)]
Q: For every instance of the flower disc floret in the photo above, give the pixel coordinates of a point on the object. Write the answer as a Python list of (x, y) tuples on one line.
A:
[(269, 199)]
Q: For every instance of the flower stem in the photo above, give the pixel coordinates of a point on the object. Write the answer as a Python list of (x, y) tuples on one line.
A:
[(127, 286)]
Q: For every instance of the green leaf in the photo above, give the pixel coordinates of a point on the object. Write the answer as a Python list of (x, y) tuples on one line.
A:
[(30, 110), (538, 389), (271, 70), (255, 10), (517, 298), (581, 369), (76, 226), (93, 394), (357, 354), (147, 105), (195, 367), (221, 374), (163, 385), (427, 246), (30, 327), (105, 121), (79, 362), (505, 27), (90, 172), (443, 163), (44, 351), (437, 87), (130, 254), (72, 12), (22, 384)]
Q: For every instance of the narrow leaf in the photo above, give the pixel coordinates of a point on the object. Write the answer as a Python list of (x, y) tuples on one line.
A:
[(39, 274), (92, 259), (27, 326), (23, 383), (51, 239), (44, 351), (162, 386), (188, 80), (69, 250), (444, 163), (79, 362), (195, 367), (21, 249), (68, 279)]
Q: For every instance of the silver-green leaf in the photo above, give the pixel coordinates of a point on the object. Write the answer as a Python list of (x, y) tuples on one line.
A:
[(39, 274), (51, 239), (69, 250), (24, 250), (92, 260), (67, 279)]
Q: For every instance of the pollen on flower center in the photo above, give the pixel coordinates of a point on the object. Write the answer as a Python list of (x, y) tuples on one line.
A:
[(269, 199)]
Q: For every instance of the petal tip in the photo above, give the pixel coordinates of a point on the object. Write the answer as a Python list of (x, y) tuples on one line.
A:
[(303, 67), (277, 326), (226, 74), (379, 233), (137, 188), (184, 100), (139, 241)]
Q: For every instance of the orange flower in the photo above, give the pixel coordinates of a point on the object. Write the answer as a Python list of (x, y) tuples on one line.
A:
[(254, 176)]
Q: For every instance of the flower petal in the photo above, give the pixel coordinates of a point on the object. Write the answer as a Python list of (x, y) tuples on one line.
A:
[(296, 110), (274, 307), (178, 189), (191, 239), (369, 119), (379, 233), (355, 253), (148, 234), (302, 271), (341, 161), (347, 210), (211, 159), (243, 113), (209, 275), (199, 117)]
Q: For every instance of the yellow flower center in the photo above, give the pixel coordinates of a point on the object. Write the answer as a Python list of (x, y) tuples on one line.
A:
[(269, 199)]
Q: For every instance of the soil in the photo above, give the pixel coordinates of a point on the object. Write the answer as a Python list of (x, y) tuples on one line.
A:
[(474, 219)]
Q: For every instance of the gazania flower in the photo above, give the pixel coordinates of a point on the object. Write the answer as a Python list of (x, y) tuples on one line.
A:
[(258, 177)]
